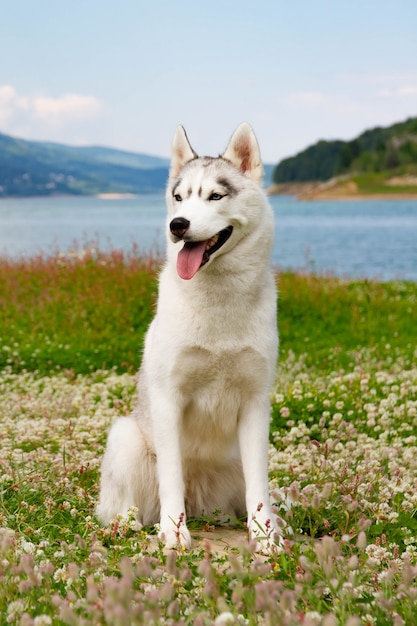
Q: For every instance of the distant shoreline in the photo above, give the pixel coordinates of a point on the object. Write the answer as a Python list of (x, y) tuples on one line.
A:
[(116, 196), (346, 190)]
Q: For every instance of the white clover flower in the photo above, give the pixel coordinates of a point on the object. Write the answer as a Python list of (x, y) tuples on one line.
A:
[(14, 610), (60, 574), (411, 551), (42, 620), (28, 547), (314, 617), (225, 619), (59, 554)]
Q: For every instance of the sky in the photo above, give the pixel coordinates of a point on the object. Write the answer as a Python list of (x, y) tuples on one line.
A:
[(124, 74)]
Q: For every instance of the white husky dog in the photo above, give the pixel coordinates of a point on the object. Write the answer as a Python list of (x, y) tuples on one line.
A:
[(197, 441)]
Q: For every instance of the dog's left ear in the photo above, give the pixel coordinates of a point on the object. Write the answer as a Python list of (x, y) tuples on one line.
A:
[(181, 152), (243, 151)]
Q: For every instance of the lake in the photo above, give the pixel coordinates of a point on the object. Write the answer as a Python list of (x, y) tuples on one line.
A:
[(349, 238)]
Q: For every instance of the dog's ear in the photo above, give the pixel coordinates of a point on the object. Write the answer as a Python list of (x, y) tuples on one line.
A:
[(181, 151), (243, 151)]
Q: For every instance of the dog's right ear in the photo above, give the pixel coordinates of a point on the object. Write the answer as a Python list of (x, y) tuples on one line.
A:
[(182, 152)]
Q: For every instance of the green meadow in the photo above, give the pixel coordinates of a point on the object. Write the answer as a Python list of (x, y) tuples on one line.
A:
[(342, 447), (87, 310)]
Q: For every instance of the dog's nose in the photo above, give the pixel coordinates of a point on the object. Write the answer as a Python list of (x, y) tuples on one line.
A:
[(179, 226)]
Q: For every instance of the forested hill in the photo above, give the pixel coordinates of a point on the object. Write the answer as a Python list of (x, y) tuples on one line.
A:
[(34, 168), (30, 168), (380, 149)]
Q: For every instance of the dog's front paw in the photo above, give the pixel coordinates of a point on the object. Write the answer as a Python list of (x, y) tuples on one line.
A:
[(174, 534), (267, 535)]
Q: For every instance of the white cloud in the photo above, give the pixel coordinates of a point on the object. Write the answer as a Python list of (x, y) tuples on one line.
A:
[(393, 78), (7, 94), (53, 112), (68, 107), (384, 93), (407, 90), (8, 99)]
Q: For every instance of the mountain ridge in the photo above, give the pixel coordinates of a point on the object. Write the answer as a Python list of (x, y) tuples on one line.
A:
[(41, 168), (31, 168)]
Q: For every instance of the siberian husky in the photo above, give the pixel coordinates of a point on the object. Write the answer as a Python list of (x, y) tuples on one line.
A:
[(197, 441)]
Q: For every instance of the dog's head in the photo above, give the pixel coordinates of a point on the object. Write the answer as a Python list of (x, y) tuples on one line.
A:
[(212, 202)]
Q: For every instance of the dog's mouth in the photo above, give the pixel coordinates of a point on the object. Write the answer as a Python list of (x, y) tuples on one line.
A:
[(195, 254)]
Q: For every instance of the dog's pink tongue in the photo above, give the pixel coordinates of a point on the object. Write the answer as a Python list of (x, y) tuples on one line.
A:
[(190, 258)]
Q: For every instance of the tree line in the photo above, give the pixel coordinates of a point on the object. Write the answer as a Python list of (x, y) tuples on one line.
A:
[(375, 150)]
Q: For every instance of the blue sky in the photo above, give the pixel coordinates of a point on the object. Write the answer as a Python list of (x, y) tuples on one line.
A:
[(124, 74)]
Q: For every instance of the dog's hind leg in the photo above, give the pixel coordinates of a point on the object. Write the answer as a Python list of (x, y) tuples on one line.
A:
[(128, 475)]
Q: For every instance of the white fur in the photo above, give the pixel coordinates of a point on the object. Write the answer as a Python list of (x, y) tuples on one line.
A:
[(198, 438)]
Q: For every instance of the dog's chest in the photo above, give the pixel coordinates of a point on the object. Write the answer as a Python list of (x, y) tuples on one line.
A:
[(198, 370), (213, 388)]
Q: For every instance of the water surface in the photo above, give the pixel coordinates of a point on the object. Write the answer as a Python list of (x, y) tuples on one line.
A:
[(350, 238)]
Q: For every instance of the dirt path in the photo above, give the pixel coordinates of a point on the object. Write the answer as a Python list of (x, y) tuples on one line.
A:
[(221, 540)]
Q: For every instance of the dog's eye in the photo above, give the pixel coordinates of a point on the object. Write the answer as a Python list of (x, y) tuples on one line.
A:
[(216, 196), (177, 197)]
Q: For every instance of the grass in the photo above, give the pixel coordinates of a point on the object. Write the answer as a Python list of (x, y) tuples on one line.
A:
[(343, 437), (81, 310), (87, 310), (375, 183), (322, 315)]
